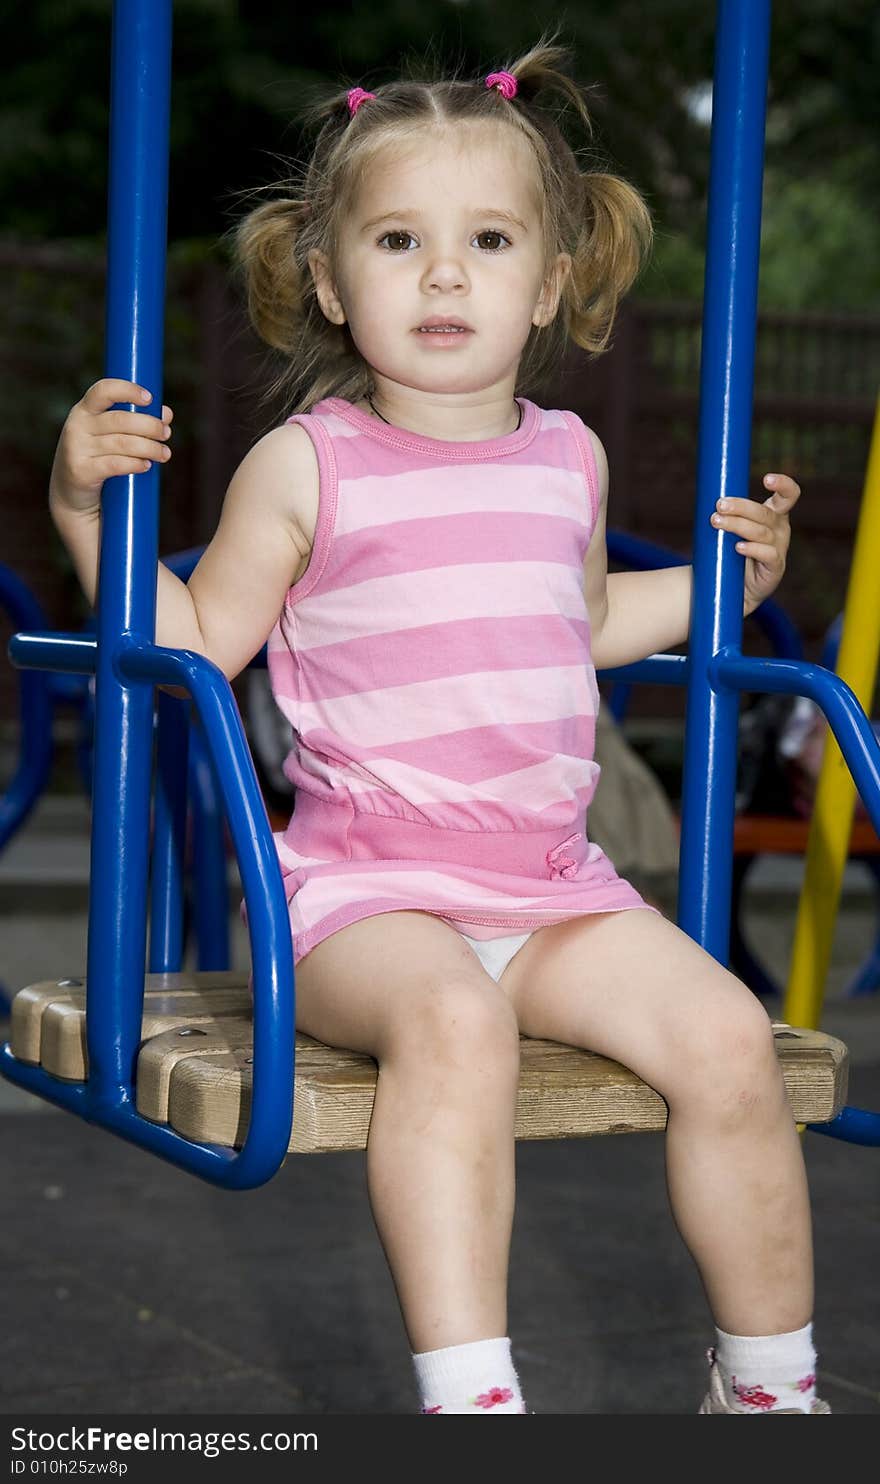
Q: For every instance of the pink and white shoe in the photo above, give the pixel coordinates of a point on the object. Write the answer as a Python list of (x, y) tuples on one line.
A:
[(715, 1399)]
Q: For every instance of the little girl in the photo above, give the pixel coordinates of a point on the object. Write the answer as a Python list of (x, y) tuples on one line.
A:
[(423, 548)]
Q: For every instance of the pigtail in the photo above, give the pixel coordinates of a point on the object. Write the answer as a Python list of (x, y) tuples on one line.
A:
[(541, 70), (598, 218), (265, 247), (611, 248)]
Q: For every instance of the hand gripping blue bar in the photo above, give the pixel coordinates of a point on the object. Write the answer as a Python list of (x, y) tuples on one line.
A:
[(742, 44), (127, 665)]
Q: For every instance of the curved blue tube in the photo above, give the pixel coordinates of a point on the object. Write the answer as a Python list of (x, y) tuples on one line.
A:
[(646, 556), (210, 893), (169, 836), (854, 1125), (851, 727), (742, 46), (35, 698), (268, 1133), (127, 665), (139, 119)]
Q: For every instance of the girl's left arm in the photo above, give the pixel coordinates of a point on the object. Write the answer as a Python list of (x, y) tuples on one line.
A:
[(636, 614)]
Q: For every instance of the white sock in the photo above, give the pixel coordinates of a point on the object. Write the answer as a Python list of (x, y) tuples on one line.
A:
[(764, 1373), (477, 1377)]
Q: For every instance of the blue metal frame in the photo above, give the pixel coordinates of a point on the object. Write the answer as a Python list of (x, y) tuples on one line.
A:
[(128, 664), (716, 669), (169, 836), (35, 733), (210, 892), (645, 556), (35, 708), (112, 1047), (176, 905), (634, 553)]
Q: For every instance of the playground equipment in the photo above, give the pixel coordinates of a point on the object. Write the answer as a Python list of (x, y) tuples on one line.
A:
[(40, 694), (35, 710), (208, 1078), (758, 833), (831, 823)]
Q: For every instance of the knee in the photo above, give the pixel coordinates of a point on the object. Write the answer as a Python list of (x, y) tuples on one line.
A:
[(734, 1070), (460, 1029)]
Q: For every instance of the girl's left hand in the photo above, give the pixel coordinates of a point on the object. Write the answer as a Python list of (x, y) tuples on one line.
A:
[(764, 534)]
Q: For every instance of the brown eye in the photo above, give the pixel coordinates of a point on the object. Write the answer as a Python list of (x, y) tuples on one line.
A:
[(406, 236), (498, 236)]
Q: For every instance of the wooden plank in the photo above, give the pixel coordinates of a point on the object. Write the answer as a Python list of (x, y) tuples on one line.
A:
[(195, 1070), (63, 1051), (27, 1017), (29, 1005), (564, 1092)]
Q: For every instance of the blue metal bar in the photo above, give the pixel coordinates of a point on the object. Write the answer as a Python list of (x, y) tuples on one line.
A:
[(742, 45), (209, 898), (127, 665), (271, 948), (658, 669), (866, 979), (646, 556), (854, 1125), (35, 735), (273, 980), (855, 736), (210, 893), (169, 836), (70, 653), (138, 192)]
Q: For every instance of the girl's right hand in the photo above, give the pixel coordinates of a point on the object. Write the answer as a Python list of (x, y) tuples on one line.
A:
[(96, 444)]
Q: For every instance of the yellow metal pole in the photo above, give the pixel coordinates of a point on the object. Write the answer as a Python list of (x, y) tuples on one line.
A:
[(831, 823)]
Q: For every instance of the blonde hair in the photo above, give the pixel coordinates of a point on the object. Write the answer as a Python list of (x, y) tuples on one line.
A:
[(599, 219)]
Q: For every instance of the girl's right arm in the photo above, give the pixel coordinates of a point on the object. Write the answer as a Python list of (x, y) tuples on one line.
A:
[(235, 594)]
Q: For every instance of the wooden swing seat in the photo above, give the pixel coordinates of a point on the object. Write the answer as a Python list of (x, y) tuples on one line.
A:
[(194, 1070)]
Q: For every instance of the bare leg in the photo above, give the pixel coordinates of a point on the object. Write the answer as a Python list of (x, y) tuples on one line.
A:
[(406, 989), (739, 1195), (633, 987)]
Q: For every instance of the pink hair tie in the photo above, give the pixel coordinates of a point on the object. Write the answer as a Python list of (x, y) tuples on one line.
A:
[(505, 82), (356, 97)]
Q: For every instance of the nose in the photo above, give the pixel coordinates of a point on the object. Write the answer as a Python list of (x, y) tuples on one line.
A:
[(446, 274)]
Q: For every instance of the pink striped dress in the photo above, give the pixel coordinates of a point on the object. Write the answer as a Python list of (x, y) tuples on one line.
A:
[(434, 664)]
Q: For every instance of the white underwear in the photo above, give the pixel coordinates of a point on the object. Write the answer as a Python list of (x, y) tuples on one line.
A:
[(495, 953)]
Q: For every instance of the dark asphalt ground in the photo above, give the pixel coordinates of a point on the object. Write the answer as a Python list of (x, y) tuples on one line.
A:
[(130, 1287)]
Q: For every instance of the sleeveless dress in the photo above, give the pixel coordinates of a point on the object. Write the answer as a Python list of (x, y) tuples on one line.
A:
[(434, 663)]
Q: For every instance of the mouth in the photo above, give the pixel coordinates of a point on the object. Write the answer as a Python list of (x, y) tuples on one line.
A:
[(437, 325)]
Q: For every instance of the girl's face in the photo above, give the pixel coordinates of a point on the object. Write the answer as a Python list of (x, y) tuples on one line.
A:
[(448, 228)]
